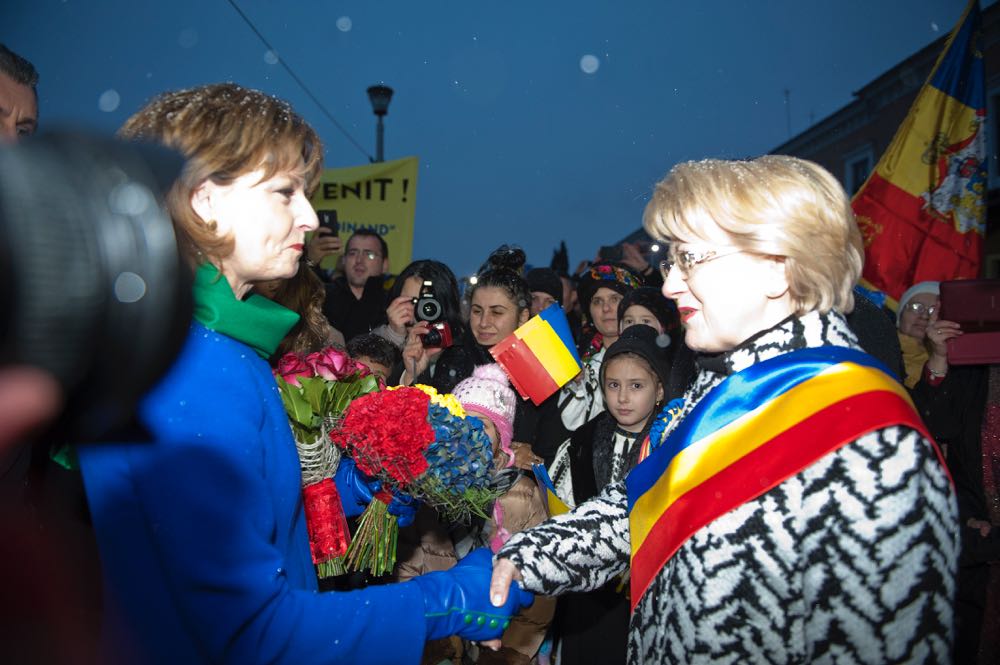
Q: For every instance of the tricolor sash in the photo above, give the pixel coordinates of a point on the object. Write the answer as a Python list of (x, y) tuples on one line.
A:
[(754, 430)]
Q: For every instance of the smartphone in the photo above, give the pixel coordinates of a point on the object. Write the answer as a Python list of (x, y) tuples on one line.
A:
[(328, 220), (611, 252)]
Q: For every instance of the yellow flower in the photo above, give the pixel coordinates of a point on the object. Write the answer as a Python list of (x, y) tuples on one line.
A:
[(447, 400)]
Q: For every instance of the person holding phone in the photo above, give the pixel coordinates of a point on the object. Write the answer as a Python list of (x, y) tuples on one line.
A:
[(325, 241), (961, 406)]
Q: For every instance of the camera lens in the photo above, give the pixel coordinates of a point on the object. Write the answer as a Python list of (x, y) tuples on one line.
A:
[(430, 310), (97, 291), (432, 338)]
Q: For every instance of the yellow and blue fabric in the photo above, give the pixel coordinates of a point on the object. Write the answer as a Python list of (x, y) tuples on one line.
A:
[(922, 211), (757, 428), (539, 357), (553, 503)]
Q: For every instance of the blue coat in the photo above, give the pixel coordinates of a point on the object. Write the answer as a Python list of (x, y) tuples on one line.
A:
[(202, 533)]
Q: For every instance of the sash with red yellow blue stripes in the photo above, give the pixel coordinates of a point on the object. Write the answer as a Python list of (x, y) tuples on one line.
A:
[(754, 430)]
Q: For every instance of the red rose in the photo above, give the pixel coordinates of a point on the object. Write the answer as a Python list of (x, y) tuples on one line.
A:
[(291, 367)]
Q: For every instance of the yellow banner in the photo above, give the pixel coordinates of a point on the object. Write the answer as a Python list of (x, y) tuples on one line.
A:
[(381, 197)]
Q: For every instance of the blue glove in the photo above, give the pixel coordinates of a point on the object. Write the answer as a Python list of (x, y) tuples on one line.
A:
[(357, 490), (457, 601), (404, 507)]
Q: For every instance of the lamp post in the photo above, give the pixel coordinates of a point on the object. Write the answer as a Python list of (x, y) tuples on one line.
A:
[(380, 96)]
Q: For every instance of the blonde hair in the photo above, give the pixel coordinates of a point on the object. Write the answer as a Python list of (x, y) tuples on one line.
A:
[(773, 205), (225, 131)]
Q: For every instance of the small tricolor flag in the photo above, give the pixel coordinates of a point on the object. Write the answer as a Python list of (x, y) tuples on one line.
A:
[(540, 356), (555, 505), (922, 211)]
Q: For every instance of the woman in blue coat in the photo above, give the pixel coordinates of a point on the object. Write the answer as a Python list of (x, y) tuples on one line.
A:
[(200, 524)]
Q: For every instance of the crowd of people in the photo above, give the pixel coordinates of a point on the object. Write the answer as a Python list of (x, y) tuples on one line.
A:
[(759, 464)]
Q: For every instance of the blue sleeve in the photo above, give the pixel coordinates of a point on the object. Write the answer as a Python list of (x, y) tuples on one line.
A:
[(225, 579), (200, 537)]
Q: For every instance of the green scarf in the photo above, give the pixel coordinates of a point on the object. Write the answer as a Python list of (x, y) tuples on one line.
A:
[(257, 322)]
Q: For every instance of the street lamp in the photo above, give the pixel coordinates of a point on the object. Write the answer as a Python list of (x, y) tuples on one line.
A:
[(380, 96)]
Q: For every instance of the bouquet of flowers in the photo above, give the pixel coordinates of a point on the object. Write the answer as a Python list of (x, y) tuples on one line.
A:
[(419, 443), (315, 389)]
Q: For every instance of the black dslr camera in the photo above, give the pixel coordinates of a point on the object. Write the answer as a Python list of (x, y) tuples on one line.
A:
[(92, 285), (428, 308)]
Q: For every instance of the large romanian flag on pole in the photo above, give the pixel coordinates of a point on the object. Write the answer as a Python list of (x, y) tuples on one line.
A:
[(922, 211)]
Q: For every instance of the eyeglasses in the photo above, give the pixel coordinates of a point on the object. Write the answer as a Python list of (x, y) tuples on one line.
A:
[(367, 253), (686, 261), (920, 308)]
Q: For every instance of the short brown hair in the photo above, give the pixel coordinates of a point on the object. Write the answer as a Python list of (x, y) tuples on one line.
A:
[(225, 131), (773, 205)]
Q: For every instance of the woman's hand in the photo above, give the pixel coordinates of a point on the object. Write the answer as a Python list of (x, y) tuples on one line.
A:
[(323, 243), (504, 573), (982, 526), (938, 334), (524, 456), (415, 357), (400, 315)]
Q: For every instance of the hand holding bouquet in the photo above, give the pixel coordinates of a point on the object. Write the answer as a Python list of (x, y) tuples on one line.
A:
[(315, 390)]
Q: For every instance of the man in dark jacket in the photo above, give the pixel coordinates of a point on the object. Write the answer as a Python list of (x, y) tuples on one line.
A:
[(356, 302)]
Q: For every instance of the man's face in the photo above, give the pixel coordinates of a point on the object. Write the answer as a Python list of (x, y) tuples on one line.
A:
[(18, 110), (363, 259)]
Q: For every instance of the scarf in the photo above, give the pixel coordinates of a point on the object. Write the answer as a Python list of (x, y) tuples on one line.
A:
[(258, 322)]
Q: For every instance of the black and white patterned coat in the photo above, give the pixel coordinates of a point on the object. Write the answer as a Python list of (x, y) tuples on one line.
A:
[(851, 560)]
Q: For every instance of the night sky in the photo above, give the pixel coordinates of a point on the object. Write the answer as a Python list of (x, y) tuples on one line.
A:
[(534, 122)]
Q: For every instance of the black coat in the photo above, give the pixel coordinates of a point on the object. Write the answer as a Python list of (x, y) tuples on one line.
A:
[(351, 316)]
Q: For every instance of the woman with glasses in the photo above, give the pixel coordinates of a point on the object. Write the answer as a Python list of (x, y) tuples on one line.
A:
[(961, 406), (794, 509), (922, 337)]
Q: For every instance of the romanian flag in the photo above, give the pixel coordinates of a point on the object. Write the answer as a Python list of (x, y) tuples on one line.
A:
[(555, 505), (540, 356), (922, 211), (754, 430)]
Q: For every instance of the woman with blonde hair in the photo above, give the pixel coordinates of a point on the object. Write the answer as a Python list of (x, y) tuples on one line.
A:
[(200, 522), (794, 509)]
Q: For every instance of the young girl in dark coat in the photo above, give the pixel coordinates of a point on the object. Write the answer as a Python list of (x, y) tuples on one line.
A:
[(592, 627)]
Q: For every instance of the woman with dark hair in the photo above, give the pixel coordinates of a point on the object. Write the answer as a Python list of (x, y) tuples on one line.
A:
[(500, 301), (422, 278), (303, 294)]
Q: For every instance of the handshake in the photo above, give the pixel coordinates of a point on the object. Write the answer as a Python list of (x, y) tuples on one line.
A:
[(456, 601)]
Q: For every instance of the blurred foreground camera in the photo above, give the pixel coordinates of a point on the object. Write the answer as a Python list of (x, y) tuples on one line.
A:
[(93, 289), (428, 308)]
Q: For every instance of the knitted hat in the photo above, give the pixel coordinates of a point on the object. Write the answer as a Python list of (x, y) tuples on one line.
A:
[(640, 339), (916, 290), (545, 280), (658, 305), (613, 276), (488, 392)]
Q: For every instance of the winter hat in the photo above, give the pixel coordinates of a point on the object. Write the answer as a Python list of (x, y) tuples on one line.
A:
[(613, 276), (640, 339), (652, 299), (545, 280), (916, 290), (488, 392)]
